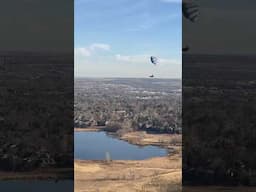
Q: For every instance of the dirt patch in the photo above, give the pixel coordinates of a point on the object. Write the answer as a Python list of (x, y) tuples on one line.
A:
[(162, 140)]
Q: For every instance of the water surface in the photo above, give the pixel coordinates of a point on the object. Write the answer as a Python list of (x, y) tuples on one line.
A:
[(94, 145)]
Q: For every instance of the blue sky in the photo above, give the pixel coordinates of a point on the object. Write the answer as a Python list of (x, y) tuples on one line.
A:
[(115, 38)]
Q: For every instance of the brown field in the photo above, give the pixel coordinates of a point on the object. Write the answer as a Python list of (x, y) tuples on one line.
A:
[(154, 175), (143, 138)]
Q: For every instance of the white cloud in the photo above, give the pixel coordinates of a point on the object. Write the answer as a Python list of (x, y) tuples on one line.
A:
[(163, 61), (87, 51), (132, 58), (101, 46)]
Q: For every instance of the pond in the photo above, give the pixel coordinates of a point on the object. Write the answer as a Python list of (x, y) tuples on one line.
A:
[(95, 146)]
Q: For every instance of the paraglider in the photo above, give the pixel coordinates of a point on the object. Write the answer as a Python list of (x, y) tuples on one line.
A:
[(190, 11), (154, 61)]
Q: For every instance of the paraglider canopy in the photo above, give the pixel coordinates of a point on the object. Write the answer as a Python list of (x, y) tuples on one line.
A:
[(190, 10), (153, 60)]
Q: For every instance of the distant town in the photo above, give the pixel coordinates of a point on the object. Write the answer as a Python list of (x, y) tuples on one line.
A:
[(123, 105)]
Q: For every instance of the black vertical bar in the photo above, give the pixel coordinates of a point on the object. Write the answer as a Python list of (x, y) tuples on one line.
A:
[(36, 103), (219, 135)]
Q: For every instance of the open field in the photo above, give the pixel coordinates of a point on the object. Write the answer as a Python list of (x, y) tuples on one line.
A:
[(154, 175), (143, 138)]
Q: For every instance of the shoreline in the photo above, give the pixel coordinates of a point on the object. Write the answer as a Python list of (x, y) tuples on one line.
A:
[(89, 129), (142, 138)]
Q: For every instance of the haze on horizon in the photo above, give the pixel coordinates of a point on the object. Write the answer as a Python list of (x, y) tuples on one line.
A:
[(116, 38)]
